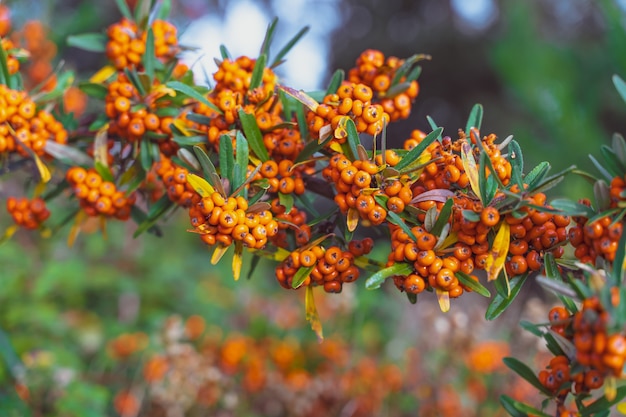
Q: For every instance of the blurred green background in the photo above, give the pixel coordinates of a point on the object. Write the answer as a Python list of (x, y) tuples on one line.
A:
[(541, 69)]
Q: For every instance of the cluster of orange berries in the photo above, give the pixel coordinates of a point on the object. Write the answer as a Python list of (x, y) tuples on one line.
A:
[(598, 354), (357, 184), (331, 267), (373, 70), (223, 220), (174, 178), (29, 214), (40, 50), (22, 125), (132, 116), (127, 44), (433, 269), (98, 197), (293, 220), (353, 101), (282, 177), (236, 75), (599, 238)]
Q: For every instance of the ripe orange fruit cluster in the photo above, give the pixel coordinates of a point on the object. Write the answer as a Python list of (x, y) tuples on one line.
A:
[(29, 214), (292, 222), (98, 197), (174, 178), (599, 238), (134, 117), (23, 125), (331, 267), (373, 70), (282, 176), (235, 75), (223, 220), (127, 43), (41, 51)]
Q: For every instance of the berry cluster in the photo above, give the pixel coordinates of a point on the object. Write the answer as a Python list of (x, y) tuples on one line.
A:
[(98, 197), (174, 178), (29, 214), (127, 43)]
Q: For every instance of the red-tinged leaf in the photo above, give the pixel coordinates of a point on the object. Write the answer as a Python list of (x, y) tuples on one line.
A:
[(443, 298), (440, 195), (469, 164), (376, 280), (311, 314), (301, 96), (499, 250)]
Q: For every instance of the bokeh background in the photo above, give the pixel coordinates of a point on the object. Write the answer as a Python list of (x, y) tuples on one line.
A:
[(84, 330)]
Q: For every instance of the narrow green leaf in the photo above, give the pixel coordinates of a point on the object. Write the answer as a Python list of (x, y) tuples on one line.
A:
[(242, 155), (124, 10), (525, 372), (620, 86), (164, 8), (611, 161), (475, 286), (618, 271), (254, 135), (5, 76), (134, 79), (537, 174), (353, 140), (602, 404), (482, 179), (335, 81), (402, 71), (471, 216), (285, 49), (415, 153), (300, 276), (376, 280), (94, 90), (499, 303), (412, 297), (149, 57), (600, 167), (225, 53), (286, 200), (145, 155), (531, 327), (572, 208), (516, 159), (93, 42), (551, 181), (226, 157), (159, 207), (310, 149), (399, 88), (189, 140), (443, 217), (199, 118), (414, 74), (267, 41), (253, 265), (190, 92), (208, 169), (144, 223), (397, 220), (618, 144), (104, 172), (432, 124), (257, 72), (475, 118), (519, 409)]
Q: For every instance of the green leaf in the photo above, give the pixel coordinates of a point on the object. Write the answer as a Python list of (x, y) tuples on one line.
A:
[(353, 140), (286, 200), (5, 76), (224, 52), (414, 74), (475, 286), (267, 41), (242, 156), (257, 72), (572, 208), (285, 49), (144, 223), (618, 263), (149, 57), (135, 80), (611, 161), (93, 42), (432, 124), (406, 66), (376, 280), (94, 90), (443, 217), (415, 153), (189, 140), (620, 86), (399, 88), (310, 149), (301, 275), (531, 327), (226, 157), (471, 216), (619, 148), (335, 81), (412, 297), (551, 181), (525, 372), (537, 174), (600, 167), (482, 179), (208, 169), (145, 155), (475, 118), (516, 160), (254, 135), (518, 409), (104, 171), (164, 7), (602, 404), (499, 303), (190, 92)]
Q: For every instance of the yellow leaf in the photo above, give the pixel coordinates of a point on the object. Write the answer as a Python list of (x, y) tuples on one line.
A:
[(450, 240), (80, 218), (180, 125), (200, 185), (443, 297), (8, 234), (44, 172), (237, 260), (335, 147), (621, 407), (610, 388), (101, 146), (301, 96), (46, 232), (353, 219), (162, 90), (39, 189), (499, 250), (103, 74), (469, 164), (311, 314), (219, 251)]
